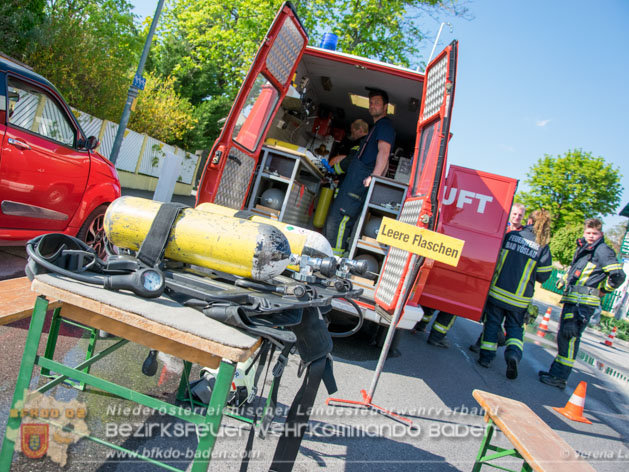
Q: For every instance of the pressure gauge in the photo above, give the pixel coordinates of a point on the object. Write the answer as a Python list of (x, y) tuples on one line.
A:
[(147, 282), (152, 280)]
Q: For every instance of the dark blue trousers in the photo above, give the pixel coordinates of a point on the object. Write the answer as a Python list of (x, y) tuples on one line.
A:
[(346, 207), (514, 325), (568, 347)]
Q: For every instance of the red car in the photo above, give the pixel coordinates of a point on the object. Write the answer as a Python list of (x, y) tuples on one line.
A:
[(51, 179)]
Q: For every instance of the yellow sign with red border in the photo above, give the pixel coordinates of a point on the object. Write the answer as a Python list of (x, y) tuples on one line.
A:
[(420, 241)]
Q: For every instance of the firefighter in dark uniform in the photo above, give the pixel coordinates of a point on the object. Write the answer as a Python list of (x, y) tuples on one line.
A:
[(595, 270), (445, 321), (349, 149), (372, 159), (524, 259)]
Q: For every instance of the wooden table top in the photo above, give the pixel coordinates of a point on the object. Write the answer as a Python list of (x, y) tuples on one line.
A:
[(103, 309), (17, 300), (542, 448)]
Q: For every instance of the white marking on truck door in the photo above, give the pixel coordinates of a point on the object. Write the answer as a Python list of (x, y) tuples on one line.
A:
[(466, 196), (451, 197)]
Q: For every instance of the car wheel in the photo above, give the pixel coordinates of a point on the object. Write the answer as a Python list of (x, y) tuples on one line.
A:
[(92, 232)]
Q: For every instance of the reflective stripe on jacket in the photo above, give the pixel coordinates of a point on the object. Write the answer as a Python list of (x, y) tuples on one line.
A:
[(593, 265), (521, 263)]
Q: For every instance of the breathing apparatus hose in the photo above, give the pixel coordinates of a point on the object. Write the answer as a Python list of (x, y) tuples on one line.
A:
[(356, 328), (32, 249), (68, 256)]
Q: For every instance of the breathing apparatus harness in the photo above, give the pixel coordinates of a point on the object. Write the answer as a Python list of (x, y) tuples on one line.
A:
[(72, 258), (287, 312)]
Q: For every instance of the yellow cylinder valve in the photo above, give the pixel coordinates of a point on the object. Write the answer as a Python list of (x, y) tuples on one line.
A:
[(218, 242)]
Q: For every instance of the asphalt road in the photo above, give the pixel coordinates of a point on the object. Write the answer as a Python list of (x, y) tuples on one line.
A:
[(430, 386)]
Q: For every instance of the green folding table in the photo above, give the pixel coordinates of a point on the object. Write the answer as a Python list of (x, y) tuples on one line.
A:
[(159, 324)]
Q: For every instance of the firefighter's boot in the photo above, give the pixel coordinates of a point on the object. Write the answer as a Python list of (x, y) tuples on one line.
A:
[(512, 365), (476, 346), (551, 380), (439, 342), (420, 326)]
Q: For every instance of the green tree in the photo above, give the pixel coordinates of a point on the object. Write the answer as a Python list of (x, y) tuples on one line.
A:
[(573, 187), (386, 30), (19, 26), (209, 46), (88, 49), (615, 235), (159, 100), (564, 243), (210, 116)]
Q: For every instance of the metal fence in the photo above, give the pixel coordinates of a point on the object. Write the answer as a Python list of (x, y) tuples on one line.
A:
[(139, 153), (607, 302)]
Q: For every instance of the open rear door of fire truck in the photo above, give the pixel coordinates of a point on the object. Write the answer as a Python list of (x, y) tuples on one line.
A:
[(232, 161), (475, 208), (421, 206)]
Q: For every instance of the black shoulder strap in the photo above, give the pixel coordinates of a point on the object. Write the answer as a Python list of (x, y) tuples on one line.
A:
[(364, 144), (278, 370), (266, 351), (153, 246), (297, 418)]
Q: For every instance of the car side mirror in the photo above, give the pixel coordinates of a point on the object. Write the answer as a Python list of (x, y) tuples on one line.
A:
[(92, 143), (88, 144)]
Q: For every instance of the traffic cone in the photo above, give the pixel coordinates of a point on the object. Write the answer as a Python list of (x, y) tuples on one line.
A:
[(574, 408), (543, 326), (610, 338)]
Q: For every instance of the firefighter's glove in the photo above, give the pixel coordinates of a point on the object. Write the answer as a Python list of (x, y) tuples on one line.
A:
[(328, 167), (560, 284), (530, 315), (570, 328)]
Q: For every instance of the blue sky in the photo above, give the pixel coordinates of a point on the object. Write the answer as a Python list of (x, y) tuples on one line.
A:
[(536, 77)]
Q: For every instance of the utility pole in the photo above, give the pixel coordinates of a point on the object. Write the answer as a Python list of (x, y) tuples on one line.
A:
[(434, 46), (136, 86)]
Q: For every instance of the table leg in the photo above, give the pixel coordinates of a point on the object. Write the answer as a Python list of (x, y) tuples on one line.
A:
[(51, 343), (489, 432), (209, 430), (91, 347), (23, 380), (184, 382)]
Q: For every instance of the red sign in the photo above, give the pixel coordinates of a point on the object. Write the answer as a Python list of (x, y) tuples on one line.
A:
[(34, 440)]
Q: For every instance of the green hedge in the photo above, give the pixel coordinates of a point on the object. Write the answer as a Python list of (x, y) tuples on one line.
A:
[(608, 323)]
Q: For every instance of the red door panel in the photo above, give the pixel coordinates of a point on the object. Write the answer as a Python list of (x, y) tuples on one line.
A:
[(475, 208), (232, 161), (421, 205)]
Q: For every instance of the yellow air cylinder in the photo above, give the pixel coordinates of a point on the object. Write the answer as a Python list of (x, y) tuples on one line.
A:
[(321, 213), (301, 240), (223, 243)]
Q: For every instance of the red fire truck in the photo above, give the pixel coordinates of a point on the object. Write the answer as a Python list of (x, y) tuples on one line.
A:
[(294, 105)]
